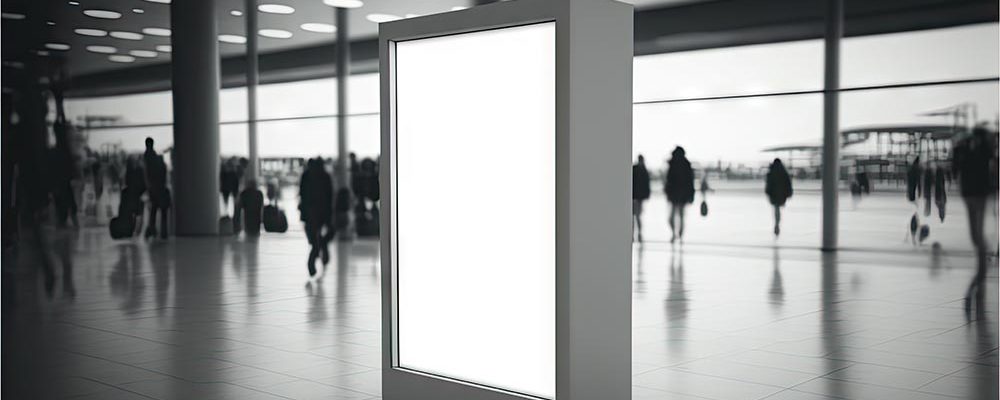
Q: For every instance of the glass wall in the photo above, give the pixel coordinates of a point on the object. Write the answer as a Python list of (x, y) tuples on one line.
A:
[(730, 142), (734, 110), (894, 137)]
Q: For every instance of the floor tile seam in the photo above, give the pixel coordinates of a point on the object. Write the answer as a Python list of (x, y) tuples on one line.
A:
[(115, 387), (898, 388), (821, 359), (886, 365), (673, 392), (119, 333), (675, 369), (747, 381), (299, 377), (308, 352)]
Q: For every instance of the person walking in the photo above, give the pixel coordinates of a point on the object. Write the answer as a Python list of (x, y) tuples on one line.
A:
[(975, 166), (156, 185), (316, 209), (640, 193), (679, 188), (778, 187)]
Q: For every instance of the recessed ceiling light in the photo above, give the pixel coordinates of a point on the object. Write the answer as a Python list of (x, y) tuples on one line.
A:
[(156, 31), (13, 64), (236, 13), (159, 1), (344, 3), (121, 58), (318, 27), (102, 14), (234, 39), (275, 9), (42, 53), (164, 48), (57, 46), (50, 23), (90, 32), (102, 49), (74, 3), (144, 53), (458, 8), (379, 18), (126, 35), (275, 33), (138, 10), (12, 16)]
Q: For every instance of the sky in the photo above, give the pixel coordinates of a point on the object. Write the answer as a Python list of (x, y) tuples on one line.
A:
[(732, 130)]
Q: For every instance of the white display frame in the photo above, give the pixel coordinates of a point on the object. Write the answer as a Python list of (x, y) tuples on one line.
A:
[(593, 204)]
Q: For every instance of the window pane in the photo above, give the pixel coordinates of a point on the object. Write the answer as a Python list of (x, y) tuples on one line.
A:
[(886, 125), (964, 52), (732, 142), (765, 68)]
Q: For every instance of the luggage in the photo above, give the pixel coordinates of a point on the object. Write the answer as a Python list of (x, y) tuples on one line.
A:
[(274, 219), (226, 226), (704, 208), (121, 227)]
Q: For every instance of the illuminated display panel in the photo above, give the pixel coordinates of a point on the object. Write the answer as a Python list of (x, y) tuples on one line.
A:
[(475, 207)]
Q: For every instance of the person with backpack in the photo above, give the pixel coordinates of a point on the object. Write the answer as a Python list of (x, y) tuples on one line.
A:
[(778, 187), (316, 209), (640, 193), (679, 188), (159, 195)]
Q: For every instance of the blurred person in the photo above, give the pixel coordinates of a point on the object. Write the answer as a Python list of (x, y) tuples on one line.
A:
[(315, 208), (640, 193), (229, 182), (273, 191), (97, 174), (778, 187), (940, 191), (679, 188), (913, 174), (928, 186), (131, 205), (975, 166), (156, 185), (250, 204)]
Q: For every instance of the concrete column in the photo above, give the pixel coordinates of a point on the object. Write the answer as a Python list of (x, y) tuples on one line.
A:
[(342, 172), (831, 123), (252, 81), (343, 72), (195, 71)]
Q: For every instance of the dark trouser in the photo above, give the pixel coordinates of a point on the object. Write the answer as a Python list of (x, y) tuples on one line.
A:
[(153, 209), (317, 241), (976, 206)]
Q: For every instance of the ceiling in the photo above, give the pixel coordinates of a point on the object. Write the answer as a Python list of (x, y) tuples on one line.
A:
[(661, 26), (60, 18)]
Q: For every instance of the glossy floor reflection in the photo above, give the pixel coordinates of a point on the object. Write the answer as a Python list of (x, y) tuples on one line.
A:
[(221, 318)]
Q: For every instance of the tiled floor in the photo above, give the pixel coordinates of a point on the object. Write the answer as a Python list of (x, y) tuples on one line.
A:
[(221, 318)]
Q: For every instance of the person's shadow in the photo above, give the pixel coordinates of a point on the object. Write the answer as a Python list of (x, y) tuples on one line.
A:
[(776, 294)]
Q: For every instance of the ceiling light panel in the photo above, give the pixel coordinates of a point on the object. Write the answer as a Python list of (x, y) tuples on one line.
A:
[(275, 33), (102, 14), (275, 9)]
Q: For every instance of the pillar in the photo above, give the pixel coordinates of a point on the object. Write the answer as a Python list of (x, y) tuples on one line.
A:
[(343, 73), (195, 71), (252, 81), (831, 123)]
